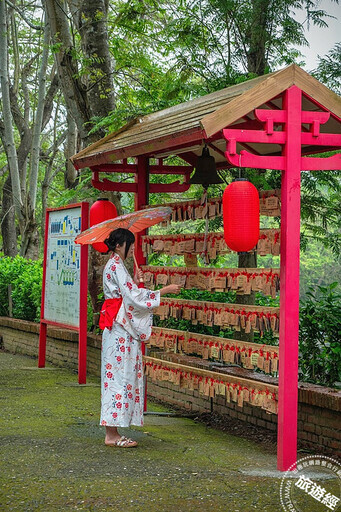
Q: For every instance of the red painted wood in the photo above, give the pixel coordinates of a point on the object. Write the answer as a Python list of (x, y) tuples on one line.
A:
[(331, 163), (142, 198), (321, 139), (289, 278), (171, 169), (320, 106), (132, 169), (43, 322), (245, 159), (43, 329), (60, 325), (162, 188), (309, 117), (257, 136), (106, 184), (294, 136), (83, 300), (279, 116), (118, 167), (249, 148)]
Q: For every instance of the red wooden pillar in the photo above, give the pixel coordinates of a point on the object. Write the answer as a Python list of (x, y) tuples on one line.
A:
[(43, 326), (83, 301), (289, 278), (141, 199)]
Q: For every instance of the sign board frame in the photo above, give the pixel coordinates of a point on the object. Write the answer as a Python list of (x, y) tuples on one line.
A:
[(83, 294)]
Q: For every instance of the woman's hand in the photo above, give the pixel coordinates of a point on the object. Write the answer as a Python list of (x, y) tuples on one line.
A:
[(138, 278), (171, 288)]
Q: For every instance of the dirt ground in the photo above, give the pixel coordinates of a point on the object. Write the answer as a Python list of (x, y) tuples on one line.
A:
[(52, 455)]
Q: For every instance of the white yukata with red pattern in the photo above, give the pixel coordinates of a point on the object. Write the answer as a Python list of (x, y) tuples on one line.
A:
[(122, 394)]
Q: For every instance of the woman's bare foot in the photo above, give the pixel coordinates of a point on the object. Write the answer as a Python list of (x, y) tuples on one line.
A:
[(111, 435), (113, 438), (123, 442)]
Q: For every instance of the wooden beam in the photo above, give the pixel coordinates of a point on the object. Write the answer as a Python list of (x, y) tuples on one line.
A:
[(217, 150), (189, 157), (248, 101), (266, 91), (114, 186), (120, 168), (212, 375), (76, 158), (173, 141), (218, 339), (164, 188)]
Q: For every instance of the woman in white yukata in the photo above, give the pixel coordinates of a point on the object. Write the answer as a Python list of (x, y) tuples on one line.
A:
[(126, 318)]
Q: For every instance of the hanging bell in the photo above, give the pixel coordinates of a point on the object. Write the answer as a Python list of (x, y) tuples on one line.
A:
[(205, 173)]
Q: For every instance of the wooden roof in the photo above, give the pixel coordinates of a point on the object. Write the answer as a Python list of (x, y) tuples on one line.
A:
[(184, 128)]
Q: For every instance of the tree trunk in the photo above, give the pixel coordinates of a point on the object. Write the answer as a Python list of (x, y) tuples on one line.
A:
[(29, 247), (257, 37), (8, 134), (44, 193), (91, 21), (30, 239), (7, 220), (70, 149), (38, 121), (91, 97), (73, 90)]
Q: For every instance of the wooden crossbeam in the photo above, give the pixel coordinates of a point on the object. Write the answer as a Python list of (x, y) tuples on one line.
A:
[(213, 375)]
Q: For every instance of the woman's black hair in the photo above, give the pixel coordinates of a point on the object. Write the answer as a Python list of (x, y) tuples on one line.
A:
[(118, 237)]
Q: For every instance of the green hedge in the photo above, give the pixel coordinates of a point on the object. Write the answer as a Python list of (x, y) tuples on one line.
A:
[(320, 317), (320, 336), (25, 277)]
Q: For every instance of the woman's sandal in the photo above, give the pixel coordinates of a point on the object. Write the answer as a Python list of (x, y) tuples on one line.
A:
[(124, 442)]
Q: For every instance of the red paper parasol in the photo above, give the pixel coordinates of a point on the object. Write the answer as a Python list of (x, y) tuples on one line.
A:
[(135, 222)]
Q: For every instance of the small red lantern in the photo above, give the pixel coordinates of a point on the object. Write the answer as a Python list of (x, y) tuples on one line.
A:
[(241, 215), (101, 210)]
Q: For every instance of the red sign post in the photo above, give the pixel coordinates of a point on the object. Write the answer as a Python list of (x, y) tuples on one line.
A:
[(65, 279)]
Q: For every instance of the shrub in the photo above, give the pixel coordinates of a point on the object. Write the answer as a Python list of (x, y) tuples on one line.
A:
[(320, 336), (25, 277)]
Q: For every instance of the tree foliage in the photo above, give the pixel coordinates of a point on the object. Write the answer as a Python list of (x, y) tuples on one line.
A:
[(320, 333), (110, 61)]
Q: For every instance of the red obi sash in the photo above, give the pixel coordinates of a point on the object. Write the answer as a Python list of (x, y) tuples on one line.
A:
[(109, 312)]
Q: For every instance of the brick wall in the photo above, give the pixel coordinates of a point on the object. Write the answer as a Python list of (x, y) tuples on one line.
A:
[(319, 412)]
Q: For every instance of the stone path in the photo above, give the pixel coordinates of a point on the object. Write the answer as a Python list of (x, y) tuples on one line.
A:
[(52, 455)]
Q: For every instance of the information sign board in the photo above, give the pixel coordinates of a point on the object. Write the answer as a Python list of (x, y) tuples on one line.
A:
[(63, 265), (65, 279)]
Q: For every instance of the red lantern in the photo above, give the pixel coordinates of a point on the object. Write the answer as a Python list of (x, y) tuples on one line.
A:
[(241, 215), (100, 211)]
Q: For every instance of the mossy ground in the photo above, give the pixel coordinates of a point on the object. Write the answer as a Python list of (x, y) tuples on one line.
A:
[(52, 455)]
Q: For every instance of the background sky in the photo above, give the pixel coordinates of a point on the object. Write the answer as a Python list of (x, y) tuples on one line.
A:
[(321, 40)]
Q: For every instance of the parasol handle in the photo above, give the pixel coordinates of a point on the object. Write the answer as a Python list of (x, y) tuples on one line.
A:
[(136, 264)]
